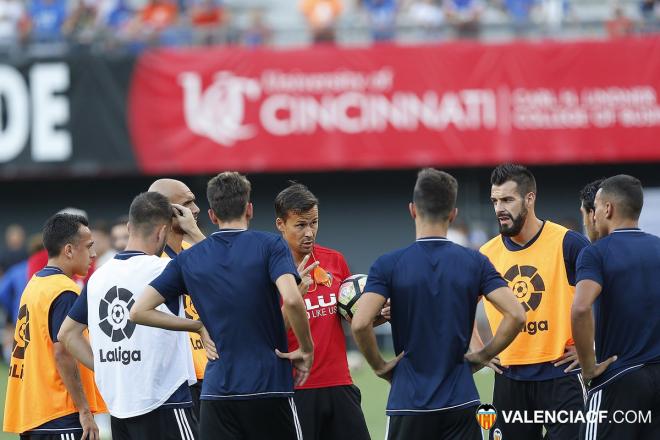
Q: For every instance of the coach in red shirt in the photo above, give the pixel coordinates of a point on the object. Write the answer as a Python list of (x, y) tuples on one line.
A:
[(328, 403)]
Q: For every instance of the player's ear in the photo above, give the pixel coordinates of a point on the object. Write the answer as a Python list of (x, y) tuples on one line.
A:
[(279, 224), (609, 210), (213, 217), (530, 199), (412, 210), (249, 211), (453, 214), (68, 250)]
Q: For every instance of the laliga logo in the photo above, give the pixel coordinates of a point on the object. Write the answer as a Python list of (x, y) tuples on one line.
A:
[(218, 112)]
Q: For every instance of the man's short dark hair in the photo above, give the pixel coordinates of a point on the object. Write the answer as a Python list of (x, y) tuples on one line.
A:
[(588, 194), (628, 192), (435, 194), (119, 221), (294, 199), (514, 173), (148, 211), (228, 194), (60, 230)]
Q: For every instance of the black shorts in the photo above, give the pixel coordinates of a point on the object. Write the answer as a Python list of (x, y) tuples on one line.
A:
[(196, 391), (630, 407), (331, 413), (161, 423), (77, 435), (565, 393), (255, 419), (440, 425)]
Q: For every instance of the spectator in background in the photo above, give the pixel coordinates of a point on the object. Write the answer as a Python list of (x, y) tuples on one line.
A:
[(11, 287), (619, 25), (13, 21), (553, 14), (519, 12), (119, 234), (102, 244), (465, 17), (153, 23), (14, 247), (258, 33), (114, 18), (322, 16), (81, 24), (648, 9), (381, 16), (207, 18), (427, 17), (47, 20)]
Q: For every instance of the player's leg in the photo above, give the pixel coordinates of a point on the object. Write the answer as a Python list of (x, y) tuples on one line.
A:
[(562, 394), (459, 424), (346, 415), (218, 420), (309, 409), (196, 391), (513, 395), (68, 436), (420, 427), (159, 424), (632, 392), (653, 430), (271, 418), (119, 429)]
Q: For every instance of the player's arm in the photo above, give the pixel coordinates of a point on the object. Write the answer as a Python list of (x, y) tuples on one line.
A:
[(188, 223), (369, 307), (513, 319), (67, 366), (145, 312), (589, 286), (294, 309), (582, 323), (72, 337)]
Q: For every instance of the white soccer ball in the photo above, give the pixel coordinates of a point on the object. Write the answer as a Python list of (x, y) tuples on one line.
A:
[(349, 293)]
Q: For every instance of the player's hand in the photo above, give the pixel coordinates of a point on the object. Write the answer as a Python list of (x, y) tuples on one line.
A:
[(479, 359), (598, 369), (305, 274), (209, 345), (386, 311), (186, 219), (302, 364), (387, 370), (570, 355), (90, 429)]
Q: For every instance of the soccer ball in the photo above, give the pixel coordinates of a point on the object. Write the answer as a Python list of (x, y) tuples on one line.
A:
[(349, 292)]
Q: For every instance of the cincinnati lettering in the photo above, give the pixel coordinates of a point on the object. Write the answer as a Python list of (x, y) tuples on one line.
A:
[(13, 371), (532, 327), (119, 355), (196, 344)]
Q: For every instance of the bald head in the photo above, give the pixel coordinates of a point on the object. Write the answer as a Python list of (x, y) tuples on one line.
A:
[(176, 192)]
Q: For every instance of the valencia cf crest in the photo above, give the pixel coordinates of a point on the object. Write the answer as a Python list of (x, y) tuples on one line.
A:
[(486, 416), (322, 276), (497, 434)]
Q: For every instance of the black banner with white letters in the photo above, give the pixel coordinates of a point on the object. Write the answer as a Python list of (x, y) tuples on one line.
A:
[(65, 117)]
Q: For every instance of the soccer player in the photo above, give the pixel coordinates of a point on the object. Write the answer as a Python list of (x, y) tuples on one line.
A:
[(178, 193), (617, 306), (328, 403), (587, 196), (537, 258), (49, 397), (143, 373), (234, 277), (434, 286)]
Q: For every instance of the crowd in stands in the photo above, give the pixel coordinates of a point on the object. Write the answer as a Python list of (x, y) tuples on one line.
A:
[(136, 24)]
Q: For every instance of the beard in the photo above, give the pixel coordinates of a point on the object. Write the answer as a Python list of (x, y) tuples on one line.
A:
[(517, 224)]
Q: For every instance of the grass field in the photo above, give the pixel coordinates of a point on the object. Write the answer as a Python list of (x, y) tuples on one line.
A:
[(374, 397)]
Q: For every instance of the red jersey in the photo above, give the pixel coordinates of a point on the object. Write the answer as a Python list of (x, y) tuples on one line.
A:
[(330, 366)]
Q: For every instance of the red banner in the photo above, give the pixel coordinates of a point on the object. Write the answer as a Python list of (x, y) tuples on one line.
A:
[(458, 104)]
